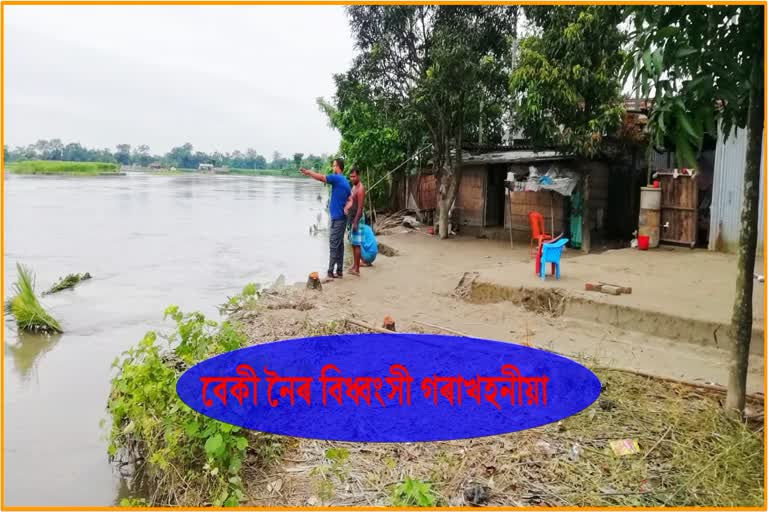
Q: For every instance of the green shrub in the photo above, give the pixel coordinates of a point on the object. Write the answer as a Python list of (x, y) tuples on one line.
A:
[(189, 458), (413, 493), (25, 308)]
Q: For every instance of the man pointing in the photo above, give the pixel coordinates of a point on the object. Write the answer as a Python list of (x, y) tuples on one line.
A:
[(340, 191)]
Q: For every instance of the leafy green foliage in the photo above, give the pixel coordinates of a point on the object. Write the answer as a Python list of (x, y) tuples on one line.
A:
[(413, 493), (183, 448), (133, 502), (334, 467), (337, 455), (372, 137), (244, 300), (428, 71), (699, 62), (567, 79), (67, 282), (25, 308)]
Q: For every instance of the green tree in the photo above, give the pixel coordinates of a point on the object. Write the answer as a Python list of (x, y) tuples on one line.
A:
[(276, 160), (297, 158), (374, 137), (259, 162), (6, 153), (567, 79), (181, 156), (75, 152), (704, 64), (123, 154), (437, 64), (141, 155)]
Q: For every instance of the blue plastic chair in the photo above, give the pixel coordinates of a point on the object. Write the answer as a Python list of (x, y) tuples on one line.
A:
[(550, 253)]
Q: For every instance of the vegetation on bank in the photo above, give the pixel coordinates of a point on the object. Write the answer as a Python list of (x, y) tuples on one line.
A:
[(26, 308), (183, 157), (60, 167), (187, 458)]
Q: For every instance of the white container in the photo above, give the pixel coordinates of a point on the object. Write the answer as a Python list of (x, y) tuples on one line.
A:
[(650, 198)]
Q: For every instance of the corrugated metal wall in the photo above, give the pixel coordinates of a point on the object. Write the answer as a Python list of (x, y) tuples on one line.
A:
[(727, 193), (664, 160)]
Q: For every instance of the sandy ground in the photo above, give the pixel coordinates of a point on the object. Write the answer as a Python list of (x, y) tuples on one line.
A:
[(684, 440), (418, 284)]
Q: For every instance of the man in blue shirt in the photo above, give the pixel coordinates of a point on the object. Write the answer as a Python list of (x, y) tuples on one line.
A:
[(340, 191)]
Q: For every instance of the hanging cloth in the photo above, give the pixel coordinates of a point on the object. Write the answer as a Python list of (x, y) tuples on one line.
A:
[(576, 213)]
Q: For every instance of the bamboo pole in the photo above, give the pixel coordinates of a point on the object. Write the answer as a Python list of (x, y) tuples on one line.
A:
[(551, 213), (757, 397), (446, 329), (364, 325), (509, 202)]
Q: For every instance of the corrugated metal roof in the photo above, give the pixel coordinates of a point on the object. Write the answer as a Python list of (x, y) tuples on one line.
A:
[(502, 157), (728, 192)]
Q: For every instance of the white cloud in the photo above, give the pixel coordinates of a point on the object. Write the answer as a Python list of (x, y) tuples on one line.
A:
[(220, 77)]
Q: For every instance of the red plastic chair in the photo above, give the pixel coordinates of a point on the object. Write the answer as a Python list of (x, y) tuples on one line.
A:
[(536, 222)]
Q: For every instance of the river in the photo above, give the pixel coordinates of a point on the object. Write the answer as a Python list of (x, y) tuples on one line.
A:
[(149, 242)]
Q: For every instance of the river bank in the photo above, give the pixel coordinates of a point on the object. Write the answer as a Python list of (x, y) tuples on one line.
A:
[(60, 168), (690, 454)]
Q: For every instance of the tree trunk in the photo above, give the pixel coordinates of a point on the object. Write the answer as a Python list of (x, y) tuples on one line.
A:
[(741, 322), (442, 218), (449, 188)]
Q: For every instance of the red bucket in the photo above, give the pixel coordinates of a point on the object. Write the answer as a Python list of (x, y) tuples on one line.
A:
[(642, 242)]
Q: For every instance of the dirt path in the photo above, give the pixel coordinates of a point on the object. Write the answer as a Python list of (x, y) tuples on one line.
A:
[(418, 284)]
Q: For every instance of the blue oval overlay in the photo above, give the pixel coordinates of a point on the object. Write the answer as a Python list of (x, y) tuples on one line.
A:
[(388, 387)]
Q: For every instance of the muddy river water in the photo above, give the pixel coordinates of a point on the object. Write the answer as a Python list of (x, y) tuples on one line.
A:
[(148, 242)]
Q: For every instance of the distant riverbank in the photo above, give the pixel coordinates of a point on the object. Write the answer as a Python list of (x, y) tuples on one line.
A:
[(282, 173), (56, 167), (62, 168)]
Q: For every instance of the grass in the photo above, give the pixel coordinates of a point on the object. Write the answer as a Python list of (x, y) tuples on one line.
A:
[(59, 167), (691, 454), (26, 309)]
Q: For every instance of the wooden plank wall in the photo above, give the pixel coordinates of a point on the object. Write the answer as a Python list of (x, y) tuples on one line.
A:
[(427, 199), (599, 173), (470, 200), (524, 202)]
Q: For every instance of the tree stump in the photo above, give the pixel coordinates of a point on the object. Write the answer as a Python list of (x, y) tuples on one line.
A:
[(389, 323), (313, 283)]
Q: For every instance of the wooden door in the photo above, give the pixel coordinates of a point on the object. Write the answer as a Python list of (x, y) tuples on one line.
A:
[(679, 201)]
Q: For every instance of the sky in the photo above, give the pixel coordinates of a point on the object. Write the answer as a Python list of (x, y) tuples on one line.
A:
[(219, 77)]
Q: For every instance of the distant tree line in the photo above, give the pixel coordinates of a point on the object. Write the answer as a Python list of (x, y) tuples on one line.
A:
[(181, 157)]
